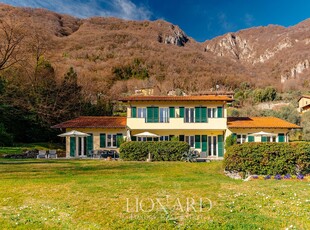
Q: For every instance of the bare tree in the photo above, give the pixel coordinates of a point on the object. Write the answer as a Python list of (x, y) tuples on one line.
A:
[(11, 37)]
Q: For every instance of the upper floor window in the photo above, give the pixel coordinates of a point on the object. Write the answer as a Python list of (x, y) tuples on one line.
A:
[(189, 115), (164, 115), (212, 112), (142, 112)]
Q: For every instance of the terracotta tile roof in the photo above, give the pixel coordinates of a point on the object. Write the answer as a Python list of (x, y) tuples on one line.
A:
[(304, 96), (178, 98), (259, 122), (93, 122)]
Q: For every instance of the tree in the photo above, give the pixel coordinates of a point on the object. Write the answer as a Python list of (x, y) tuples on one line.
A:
[(305, 123), (11, 37)]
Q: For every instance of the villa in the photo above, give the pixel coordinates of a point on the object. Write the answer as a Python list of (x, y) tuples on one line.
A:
[(201, 121)]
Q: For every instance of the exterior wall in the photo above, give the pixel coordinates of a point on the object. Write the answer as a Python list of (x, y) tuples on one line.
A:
[(303, 102), (248, 132), (177, 122), (96, 137)]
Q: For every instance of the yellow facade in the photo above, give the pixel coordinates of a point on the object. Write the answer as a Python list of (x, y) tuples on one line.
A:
[(304, 104)]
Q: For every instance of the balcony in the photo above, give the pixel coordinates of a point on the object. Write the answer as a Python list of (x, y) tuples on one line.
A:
[(177, 124)]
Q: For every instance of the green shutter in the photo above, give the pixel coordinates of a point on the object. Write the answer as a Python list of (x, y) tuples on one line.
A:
[(102, 140), (133, 112), (281, 137), (219, 112), (89, 142), (204, 114), (250, 138), (149, 114), (204, 143), (171, 112), (182, 112), (220, 145), (133, 138), (264, 139), (197, 114), (181, 138), (197, 141), (156, 114), (119, 139), (72, 146)]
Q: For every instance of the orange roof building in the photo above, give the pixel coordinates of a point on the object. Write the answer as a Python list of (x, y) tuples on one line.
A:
[(201, 121)]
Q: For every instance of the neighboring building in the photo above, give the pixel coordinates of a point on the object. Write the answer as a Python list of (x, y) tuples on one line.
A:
[(199, 120), (304, 103)]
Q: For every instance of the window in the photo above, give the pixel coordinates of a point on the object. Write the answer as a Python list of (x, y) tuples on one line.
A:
[(111, 140), (190, 140), (212, 112), (189, 115), (164, 138), (142, 112), (163, 115), (241, 138), (141, 138), (212, 144), (271, 139)]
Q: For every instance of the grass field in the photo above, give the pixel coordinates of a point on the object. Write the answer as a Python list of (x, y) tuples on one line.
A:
[(21, 147), (94, 194)]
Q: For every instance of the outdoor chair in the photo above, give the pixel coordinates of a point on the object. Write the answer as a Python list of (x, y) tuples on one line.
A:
[(52, 153), (41, 154), (104, 153), (202, 157), (90, 153)]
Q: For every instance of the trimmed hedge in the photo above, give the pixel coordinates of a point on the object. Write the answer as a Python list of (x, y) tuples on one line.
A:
[(160, 150), (268, 158)]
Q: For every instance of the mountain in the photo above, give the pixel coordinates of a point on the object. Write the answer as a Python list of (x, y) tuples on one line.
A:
[(114, 56)]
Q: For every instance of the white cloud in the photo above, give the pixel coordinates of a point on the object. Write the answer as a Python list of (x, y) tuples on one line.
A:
[(125, 9)]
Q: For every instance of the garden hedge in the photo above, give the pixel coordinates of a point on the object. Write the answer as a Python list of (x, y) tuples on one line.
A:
[(268, 158), (160, 151)]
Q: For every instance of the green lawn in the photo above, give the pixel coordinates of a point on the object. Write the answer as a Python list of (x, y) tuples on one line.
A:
[(93, 194), (21, 147)]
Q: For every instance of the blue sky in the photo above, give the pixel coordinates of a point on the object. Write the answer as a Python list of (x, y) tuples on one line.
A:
[(200, 19)]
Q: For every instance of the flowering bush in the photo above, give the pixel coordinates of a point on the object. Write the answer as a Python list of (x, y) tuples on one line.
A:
[(287, 176), (267, 177), (300, 176), (278, 177)]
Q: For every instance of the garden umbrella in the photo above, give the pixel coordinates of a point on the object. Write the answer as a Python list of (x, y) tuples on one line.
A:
[(76, 134), (261, 133), (146, 134)]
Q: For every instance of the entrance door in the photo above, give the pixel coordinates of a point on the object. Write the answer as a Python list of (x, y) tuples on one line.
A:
[(212, 145)]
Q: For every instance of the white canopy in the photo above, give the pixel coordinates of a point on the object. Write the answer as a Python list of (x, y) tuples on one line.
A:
[(261, 133), (146, 134), (74, 133)]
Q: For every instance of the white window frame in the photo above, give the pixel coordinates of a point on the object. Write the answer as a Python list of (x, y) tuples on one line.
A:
[(113, 139), (141, 112), (274, 139), (190, 114), (212, 113), (242, 138), (212, 147), (190, 140), (165, 112), (164, 138)]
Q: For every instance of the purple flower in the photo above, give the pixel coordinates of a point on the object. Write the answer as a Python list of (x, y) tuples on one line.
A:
[(255, 177), (300, 176), (278, 177), (287, 176), (267, 177)]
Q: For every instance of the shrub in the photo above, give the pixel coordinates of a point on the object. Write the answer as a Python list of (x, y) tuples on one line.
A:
[(160, 151), (6, 139), (268, 158), (230, 140)]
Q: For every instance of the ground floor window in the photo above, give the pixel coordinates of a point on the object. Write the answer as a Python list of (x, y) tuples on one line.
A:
[(271, 139), (111, 140), (212, 144), (241, 138), (164, 138), (141, 138), (190, 140)]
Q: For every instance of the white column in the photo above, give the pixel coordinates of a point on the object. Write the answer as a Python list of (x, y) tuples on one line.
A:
[(82, 146), (76, 146)]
